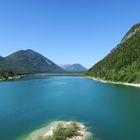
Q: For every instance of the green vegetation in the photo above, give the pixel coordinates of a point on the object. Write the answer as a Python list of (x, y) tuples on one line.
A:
[(62, 133), (123, 63), (4, 75), (62, 130)]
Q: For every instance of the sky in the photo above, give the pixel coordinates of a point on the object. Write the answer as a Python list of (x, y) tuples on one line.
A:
[(66, 31)]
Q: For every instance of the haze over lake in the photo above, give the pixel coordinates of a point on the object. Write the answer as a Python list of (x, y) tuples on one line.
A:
[(110, 111)]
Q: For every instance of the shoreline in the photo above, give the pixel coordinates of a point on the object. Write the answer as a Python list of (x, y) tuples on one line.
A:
[(40, 132), (17, 77), (47, 131), (111, 82), (53, 74), (22, 76)]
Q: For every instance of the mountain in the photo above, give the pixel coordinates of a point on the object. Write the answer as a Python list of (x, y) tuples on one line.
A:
[(28, 61), (1, 57), (123, 62), (73, 67)]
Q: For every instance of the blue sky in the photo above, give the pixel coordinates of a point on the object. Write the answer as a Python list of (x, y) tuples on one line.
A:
[(66, 31)]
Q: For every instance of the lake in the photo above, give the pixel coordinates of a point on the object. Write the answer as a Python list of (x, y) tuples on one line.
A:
[(110, 111)]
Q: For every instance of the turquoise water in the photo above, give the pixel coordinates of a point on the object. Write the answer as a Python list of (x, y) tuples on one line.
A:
[(112, 112)]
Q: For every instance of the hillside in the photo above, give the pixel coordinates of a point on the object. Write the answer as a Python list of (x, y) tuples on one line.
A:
[(4, 75), (1, 57), (28, 61), (73, 68), (123, 62)]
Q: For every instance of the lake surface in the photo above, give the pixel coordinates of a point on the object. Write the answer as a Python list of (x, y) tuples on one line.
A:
[(110, 111)]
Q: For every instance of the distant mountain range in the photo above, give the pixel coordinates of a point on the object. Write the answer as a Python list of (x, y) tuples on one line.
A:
[(73, 68), (28, 62), (123, 62)]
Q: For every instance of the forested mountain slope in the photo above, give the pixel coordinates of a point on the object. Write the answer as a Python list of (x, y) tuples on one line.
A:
[(122, 63)]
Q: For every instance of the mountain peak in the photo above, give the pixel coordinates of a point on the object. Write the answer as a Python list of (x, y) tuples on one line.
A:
[(30, 51), (131, 32), (25, 51), (73, 67), (28, 61)]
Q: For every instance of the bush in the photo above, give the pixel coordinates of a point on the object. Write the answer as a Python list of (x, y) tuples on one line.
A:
[(62, 133)]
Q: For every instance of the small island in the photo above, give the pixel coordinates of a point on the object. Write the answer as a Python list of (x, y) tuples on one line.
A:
[(61, 130)]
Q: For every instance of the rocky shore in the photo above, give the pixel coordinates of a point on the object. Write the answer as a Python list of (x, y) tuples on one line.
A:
[(61, 130), (111, 82)]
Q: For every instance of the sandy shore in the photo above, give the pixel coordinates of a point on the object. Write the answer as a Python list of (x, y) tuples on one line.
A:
[(35, 135), (111, 82), (45, 132)]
